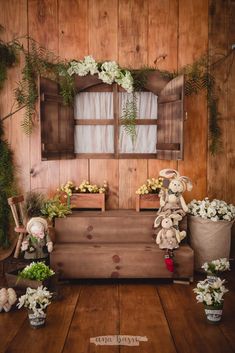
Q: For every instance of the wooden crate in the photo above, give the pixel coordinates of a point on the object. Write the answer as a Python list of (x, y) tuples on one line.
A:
[(14, 281), (86, 201), (147, 202)]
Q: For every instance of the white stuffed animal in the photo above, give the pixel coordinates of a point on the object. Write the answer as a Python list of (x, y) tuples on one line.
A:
[(37, 243), (7, 299), (171, 198), (169, 237)]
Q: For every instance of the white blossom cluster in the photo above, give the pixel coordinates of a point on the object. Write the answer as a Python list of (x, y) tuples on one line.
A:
[(36, 300), (108, 72), (210, 293), (215, 266), (214, 210)]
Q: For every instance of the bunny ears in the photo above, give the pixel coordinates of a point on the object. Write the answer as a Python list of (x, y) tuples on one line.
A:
[(174, 217), (174, 174)]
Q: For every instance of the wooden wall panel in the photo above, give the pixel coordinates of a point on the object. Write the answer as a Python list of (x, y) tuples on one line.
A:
[(132, 174), (230, 174), (133, 33), (104, 169), (193, 42), (73, 44), (13, 132), (162, 42), (132, 52), (103, 18), (73, 28), (43, 27)]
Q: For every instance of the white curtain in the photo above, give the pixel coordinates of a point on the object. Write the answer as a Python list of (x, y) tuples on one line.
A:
[(100, 138), (146, 135), (94, 138)]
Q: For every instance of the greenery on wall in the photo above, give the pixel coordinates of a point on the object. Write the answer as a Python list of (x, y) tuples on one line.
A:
[(6, 187), (39, 61)]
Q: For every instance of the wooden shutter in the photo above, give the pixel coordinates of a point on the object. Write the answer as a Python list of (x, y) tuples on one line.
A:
[(171, 120), (57, 123)]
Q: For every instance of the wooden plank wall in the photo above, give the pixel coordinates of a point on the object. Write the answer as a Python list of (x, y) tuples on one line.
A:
[(135, 33)]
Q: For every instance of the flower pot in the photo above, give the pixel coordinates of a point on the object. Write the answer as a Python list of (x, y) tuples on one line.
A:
[(209, 240), (36, 321), (214, 313), (147, 202), (87, 201), (211, 278), (14, 281)]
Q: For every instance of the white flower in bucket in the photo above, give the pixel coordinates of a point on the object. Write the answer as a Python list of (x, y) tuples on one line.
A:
[(36, 300), (211, 294)]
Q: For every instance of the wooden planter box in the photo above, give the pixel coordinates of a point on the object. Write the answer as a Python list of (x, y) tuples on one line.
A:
[(87, 201), (147, 202), (14, 281)]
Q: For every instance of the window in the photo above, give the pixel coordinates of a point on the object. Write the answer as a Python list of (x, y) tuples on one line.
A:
[(93, 127), (99, 128)]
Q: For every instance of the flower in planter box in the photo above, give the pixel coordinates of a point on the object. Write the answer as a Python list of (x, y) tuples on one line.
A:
[(152, 186)]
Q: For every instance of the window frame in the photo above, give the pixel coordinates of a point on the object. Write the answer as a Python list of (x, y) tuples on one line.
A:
[(116, 122)]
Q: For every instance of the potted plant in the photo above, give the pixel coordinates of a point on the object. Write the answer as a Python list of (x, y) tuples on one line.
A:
[(210, 225), (55, 208), (36, 301), (147, 196), (214, 267), (211, 294), (86, 195), (34, 275)]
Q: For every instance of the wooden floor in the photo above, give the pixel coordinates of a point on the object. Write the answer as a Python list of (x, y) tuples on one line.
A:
[(166, 313)]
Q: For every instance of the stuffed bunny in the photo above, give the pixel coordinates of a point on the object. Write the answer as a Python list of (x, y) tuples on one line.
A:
[(171, 198), (168, 237), (37, 244)]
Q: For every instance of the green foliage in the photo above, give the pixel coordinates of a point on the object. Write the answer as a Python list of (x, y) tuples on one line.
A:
[(129, 116), (8, 58), (6, 187), (55, 208), (40, 62), (34, 202), (37, 271)]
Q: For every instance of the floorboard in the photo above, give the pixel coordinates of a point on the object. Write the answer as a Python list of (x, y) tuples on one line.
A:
[(96, 314), (187, 323), (141, 314), (52, 337), (167, 314)]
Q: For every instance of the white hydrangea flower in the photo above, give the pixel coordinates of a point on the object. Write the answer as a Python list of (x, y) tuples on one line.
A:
[(215, 210)]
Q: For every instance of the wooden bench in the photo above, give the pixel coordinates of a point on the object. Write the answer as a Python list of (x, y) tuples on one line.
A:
[(117, 243)]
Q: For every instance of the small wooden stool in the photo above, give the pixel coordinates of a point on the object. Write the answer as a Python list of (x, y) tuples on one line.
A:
[(16, 204)]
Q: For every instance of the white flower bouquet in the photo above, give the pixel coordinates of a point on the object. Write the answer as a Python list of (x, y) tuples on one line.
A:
[(214, 210), (216, 266), (108, 72), (210, 293), (36, 300)]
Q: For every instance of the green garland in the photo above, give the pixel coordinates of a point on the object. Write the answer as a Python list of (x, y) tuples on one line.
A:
[(6, 187), (40, 61)]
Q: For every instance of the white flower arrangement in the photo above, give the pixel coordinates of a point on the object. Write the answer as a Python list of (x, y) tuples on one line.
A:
[(215, 210), (152, 186), (216, 266), (36, 300), (210, 293), (108, 72)]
